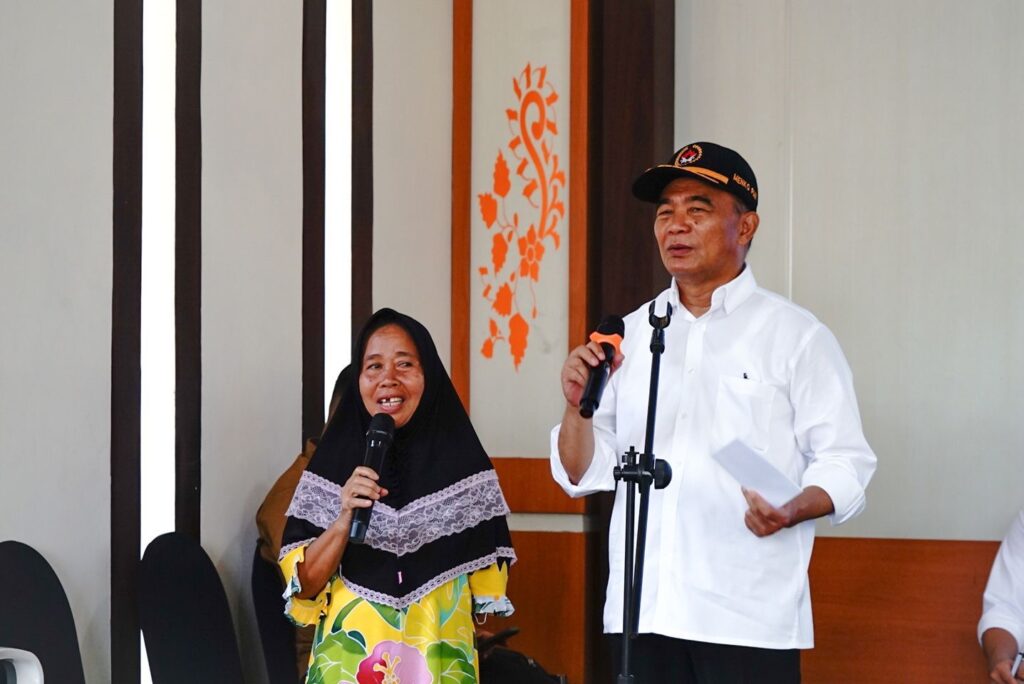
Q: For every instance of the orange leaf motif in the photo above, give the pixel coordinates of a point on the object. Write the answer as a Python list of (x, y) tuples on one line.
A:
[(499, 249), (503, 300), (518, 330), (488, 208), (488, 349), (494, 328), (501, 181)]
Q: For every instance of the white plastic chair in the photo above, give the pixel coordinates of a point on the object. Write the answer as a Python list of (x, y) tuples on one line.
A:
[(27, 669)]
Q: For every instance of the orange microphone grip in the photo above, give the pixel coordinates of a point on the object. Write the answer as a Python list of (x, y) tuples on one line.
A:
[(614, 340)]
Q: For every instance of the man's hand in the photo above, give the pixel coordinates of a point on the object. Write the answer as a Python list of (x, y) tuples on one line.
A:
[(577, 367), (1000, 650), (576, 436), (1001, 674), (764, 520)]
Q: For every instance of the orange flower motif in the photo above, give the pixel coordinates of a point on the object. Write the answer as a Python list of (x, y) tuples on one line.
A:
[(531, 251), (539, 182)]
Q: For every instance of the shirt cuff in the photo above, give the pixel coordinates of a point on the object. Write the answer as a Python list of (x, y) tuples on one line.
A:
[(842, 487), (1003, 620), (593, 480)]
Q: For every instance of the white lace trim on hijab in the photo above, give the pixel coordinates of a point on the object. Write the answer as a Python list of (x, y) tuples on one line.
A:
[(451, 510)]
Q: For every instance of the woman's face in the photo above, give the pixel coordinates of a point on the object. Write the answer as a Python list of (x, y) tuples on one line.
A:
[(391, 376)]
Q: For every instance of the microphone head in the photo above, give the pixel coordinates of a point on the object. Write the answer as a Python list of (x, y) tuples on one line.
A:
[(611, 331), (382, 427)]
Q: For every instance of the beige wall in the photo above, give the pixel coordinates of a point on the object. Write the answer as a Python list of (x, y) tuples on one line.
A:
[(56, 80), (252, 278), (412, 161), (886, 139)]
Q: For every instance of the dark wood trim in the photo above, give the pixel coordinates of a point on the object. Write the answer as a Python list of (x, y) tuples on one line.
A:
[(462, 140), (314, 37), (125, 343), (188, 269), (579, 134), (632, 48), (635, 65), (362, 162)]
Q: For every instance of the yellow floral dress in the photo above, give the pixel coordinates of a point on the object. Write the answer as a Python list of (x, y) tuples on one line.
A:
[(359, 641)]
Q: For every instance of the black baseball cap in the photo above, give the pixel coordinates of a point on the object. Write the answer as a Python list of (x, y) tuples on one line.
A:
[(715, 165)]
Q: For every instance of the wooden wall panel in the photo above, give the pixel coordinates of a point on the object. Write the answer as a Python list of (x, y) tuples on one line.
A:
[(888, 610), (529, 487), (547, 586)]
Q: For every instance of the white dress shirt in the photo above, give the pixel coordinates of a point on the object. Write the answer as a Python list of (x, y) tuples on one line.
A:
[(757, 368), (1003, 602)]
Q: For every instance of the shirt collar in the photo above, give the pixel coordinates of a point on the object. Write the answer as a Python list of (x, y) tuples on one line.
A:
[(728, 297)]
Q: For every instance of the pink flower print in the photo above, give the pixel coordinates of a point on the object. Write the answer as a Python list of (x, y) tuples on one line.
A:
[(393, 663)]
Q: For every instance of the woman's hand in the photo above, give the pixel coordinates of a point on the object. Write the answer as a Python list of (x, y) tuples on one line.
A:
[(324, 554), (360, 491)]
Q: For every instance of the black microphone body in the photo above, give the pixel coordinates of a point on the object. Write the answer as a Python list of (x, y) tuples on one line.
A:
[(379, 436), (609, 336), (596, 381)]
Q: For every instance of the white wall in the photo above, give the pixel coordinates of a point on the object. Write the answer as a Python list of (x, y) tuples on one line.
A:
[(252, 278), (412, 162), (55, 285), (886, 138)]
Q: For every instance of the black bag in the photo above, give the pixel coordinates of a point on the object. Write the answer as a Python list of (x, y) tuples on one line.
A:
[(505, 666), (501, 665)]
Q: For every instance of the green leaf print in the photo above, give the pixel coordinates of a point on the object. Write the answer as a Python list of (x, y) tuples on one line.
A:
[(339, 622), (338, 657), (457, 672), (358, 637), (392, 616), (453, 662), (449, 601)]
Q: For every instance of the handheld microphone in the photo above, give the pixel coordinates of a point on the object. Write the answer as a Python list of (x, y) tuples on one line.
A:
[(609, 336), (379, 436)]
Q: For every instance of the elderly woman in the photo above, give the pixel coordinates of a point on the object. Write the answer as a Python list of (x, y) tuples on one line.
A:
[(399, 608)]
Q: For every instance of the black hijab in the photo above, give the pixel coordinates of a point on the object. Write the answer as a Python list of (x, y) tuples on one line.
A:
[(444, 514)]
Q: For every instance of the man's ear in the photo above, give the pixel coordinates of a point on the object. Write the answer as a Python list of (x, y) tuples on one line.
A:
[(749, 222)]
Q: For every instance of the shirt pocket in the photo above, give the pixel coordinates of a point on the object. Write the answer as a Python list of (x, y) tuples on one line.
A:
[(743, 412)]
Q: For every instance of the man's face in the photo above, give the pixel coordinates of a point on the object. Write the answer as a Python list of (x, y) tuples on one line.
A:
[(702, 234)]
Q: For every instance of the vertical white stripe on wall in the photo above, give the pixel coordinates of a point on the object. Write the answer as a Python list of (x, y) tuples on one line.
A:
[(337, 193), (157, 353), (157, 346)]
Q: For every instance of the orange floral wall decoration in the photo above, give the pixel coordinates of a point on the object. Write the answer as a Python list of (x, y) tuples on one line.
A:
[(519, 237)]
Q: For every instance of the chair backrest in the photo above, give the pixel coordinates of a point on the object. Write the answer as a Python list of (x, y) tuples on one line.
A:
[(35, 615), (19, 667), (277, 634), (185, 616)]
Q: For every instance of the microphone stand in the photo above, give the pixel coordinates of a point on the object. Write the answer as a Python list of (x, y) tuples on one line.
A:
[(641, 470)]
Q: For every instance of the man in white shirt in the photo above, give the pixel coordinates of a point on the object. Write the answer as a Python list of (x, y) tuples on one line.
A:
[(726, 598), (1001, 628)]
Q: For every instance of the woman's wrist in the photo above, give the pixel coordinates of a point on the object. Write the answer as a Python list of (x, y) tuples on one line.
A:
[(344, 521)]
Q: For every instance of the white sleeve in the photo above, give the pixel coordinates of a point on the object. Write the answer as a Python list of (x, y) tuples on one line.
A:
[(827, 425), (599, 476), (1003, 602)]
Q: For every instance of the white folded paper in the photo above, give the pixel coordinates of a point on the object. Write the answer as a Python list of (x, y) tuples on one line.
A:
[(753, 472)]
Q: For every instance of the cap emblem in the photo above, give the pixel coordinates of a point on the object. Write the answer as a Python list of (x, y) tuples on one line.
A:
[(688, 155)]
